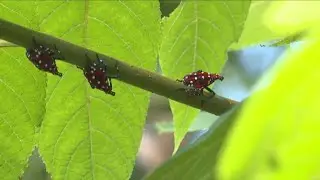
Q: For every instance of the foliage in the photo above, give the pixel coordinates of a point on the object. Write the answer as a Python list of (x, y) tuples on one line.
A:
[(275, 135), (285, 134), (84, 134), (255, 31), (196, 162), (196, 36), (202, 122)]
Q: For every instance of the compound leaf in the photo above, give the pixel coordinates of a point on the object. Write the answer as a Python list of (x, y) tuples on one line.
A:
[(196, 36)]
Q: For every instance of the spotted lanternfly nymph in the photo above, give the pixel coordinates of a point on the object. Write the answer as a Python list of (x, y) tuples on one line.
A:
[(44, 58), (96, 74), (200, 80)]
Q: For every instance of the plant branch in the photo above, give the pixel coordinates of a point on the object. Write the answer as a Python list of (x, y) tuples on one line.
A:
[(130, 74)]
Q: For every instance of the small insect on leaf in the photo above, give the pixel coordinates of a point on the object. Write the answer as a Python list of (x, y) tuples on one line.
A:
[(96, 74), (44, 58)]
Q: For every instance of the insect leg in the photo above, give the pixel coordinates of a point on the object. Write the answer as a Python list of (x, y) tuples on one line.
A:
[(110, 87), (57, 54), (210, 90)]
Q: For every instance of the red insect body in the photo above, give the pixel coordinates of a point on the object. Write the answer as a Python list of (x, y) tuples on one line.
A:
[(97, 77), (200, 79), (43, 58)]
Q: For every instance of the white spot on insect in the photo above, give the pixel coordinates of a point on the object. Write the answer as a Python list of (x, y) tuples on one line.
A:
[(202, 72), (91, 72), (46, 65), (202, 77), (209, 76), (40, 61), (186, 77), (98, 82), (195, 78), (93, 77), (37, 56), (191, 82), (194, 73)]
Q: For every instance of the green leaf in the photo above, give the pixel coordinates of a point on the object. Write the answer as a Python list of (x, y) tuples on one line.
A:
[(22, 91), (255, 31), (198, 159), (203, 121), (278, 130), (87, 134), (196, 36), (289, 17)]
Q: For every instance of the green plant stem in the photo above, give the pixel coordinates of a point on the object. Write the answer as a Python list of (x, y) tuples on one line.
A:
[(135, 76)]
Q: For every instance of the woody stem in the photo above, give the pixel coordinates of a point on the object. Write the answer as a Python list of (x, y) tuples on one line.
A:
[(130, 74)]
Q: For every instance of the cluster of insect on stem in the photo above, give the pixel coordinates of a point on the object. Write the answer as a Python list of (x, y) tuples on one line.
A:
[(96, 72)]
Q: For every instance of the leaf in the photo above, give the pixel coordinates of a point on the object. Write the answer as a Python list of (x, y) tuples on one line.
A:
[(198, 159), (285, 117), (22, 91), (196, 36), (87, 134), (20, 110), (203, 121), (289, 17), (255, 31)]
